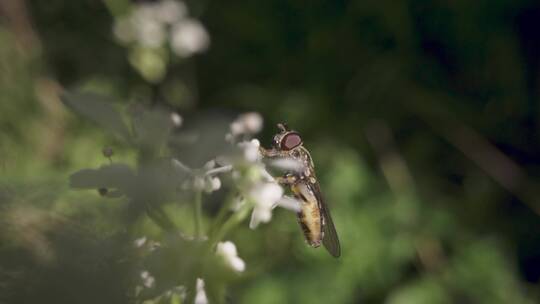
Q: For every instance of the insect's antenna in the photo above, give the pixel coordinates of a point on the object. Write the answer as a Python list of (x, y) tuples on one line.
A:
[(283, 127)]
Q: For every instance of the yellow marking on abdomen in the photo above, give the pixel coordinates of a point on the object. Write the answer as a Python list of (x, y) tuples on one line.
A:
[(309, 216)]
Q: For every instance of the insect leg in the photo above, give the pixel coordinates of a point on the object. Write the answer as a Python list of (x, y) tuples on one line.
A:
[(286, 180), (268, 152)]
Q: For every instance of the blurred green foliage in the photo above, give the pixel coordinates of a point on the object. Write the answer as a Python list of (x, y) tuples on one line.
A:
[(422, 118)]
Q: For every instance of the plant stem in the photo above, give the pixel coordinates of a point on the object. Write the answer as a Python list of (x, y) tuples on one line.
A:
[(235, 219), (160, 218), (225, 208), (198, 214)]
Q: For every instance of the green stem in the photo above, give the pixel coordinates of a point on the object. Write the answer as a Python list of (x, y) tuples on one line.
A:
[(235, 219), (160, 218), (223, 211), (198, 214)]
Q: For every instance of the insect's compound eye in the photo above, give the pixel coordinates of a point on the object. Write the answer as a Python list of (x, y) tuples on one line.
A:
[(290, 141)]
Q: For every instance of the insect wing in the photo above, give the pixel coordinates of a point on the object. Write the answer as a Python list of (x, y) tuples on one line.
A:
[(330, 237)]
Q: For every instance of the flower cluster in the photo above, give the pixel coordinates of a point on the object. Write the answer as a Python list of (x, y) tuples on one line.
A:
[(204, 179), (148, 280), (150, 28), (257, 187), (254, 193)]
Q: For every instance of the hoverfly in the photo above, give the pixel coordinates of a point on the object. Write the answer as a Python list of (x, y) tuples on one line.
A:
[(314, 217)]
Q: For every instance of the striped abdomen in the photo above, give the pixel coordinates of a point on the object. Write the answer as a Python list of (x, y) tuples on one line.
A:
[(309, 217)]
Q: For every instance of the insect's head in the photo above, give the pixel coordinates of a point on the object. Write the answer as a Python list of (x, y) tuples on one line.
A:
[(286, 139)]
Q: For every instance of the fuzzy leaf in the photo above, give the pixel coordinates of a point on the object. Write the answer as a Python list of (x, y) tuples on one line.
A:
[(115, 176), (96, 108)]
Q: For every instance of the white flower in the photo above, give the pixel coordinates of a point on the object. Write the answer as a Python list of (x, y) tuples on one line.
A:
[(170, 11), (179, 166), (290, 203), (150, 33), (212, 184), (218, 170), (154, 245), (176, 119), (227, 250), (188, 36), (211, 181), (198, 183), (266, 176), (150, 24), (247, 123), (246, 153), (148, 280), (204, 178), (146, 11), (250, 150), (140, 242), (209, 165), (200, 296), (238, 202), (265, 195)]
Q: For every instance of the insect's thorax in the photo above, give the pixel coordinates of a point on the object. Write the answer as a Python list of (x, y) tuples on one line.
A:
[(307, 170)]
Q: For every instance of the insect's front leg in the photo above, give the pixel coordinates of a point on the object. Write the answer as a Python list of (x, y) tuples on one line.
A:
[(269, 152), (287, 179)]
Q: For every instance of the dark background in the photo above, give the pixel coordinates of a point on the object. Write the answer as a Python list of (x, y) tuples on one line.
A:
[(422, 118)]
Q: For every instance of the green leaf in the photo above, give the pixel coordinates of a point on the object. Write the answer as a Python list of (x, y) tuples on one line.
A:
[(115, 176), (151, 127), (157, 182), (99, 109)]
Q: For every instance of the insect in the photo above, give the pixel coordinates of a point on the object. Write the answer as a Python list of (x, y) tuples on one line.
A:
[(314, 217)]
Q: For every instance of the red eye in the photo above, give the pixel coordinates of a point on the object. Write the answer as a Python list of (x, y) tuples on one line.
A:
[(291, 141)]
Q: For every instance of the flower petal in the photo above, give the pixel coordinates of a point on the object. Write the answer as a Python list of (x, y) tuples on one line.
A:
[(238, 264), (290, 203), (200, 296)]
